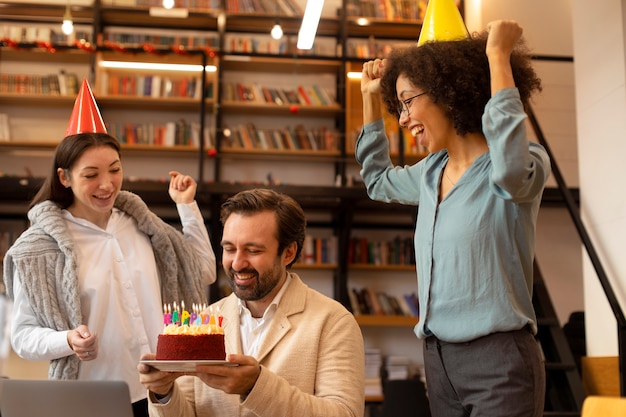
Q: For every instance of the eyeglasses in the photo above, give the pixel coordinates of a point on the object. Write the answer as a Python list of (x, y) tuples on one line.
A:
[(404, 104)]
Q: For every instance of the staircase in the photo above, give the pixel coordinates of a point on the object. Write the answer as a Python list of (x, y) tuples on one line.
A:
[(564, 389)]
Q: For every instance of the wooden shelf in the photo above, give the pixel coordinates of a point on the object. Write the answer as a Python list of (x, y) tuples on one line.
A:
[(137, 16), (374, 267), (179, 104), (389, 321), (300, 64), (34, 53), (383, 28), (37, 99), (303, 266), (242, 107), (126, 148), (259, 22)]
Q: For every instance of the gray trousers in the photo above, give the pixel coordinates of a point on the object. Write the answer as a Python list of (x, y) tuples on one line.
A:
[(498, 375)]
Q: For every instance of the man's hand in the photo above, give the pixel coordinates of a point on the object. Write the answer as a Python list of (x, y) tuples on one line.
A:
[(155, 381), (231, 379)]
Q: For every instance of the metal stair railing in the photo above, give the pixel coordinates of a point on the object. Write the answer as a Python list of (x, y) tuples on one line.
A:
[(591, 251)]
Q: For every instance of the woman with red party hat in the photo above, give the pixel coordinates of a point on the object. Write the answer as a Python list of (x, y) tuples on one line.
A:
[(478, 192), (91, 274)]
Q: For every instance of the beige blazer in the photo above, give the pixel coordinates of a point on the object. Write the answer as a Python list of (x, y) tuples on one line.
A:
[(312, 364)]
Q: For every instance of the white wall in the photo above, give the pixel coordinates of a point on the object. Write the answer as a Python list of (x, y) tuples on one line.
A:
[(601, 97)]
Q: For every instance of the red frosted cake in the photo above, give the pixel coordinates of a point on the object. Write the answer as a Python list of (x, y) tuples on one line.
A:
[(191, 336), (191, 342)]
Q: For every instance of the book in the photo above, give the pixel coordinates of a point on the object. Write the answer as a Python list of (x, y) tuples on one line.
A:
[(5, 131)]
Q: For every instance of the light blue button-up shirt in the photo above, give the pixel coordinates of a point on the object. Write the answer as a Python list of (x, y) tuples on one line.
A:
[(474, 249)]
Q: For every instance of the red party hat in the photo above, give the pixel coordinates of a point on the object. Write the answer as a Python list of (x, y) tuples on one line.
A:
[(442, 22), (86, 116)]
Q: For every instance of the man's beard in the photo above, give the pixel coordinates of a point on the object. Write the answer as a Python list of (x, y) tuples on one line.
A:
[(259, 286)]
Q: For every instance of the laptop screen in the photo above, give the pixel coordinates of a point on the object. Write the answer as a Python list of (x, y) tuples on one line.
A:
[(55, 398)]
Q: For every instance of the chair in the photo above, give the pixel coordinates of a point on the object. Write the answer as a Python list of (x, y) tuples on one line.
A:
[(404, 398), (602, 406)]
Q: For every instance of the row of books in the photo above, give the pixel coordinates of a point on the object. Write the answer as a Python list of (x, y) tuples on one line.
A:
[(273, 7), (265, 44), (373, 380), (387, 9), (180, 132), (187, 4), (134, 38), (256, 44), (296, 138), (304, 96), (373, 48), (6, 240), (410, 144), (319, 250), (371, 302), (5, 129), (43, 34), (154, 86), (64, 84), (399, 251), (397, 367)]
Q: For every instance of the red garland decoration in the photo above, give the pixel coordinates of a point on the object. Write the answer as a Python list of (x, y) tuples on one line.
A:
[(84, 45), (210, 52), (151, 49), (180, 50), (10, 43), (116, 47), (47, 46)]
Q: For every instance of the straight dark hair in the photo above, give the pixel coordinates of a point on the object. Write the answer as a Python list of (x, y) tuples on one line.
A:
[(65, 155)]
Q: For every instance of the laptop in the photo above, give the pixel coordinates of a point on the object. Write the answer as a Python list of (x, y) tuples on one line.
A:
[(61, 398)]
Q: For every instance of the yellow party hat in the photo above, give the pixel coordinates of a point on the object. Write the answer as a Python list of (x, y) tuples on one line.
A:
[(442, 22)]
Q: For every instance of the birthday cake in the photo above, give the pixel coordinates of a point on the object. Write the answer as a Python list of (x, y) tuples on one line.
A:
[(192, 337)]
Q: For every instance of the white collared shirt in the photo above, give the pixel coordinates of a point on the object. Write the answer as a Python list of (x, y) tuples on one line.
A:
[(253, 330), (119, 293)]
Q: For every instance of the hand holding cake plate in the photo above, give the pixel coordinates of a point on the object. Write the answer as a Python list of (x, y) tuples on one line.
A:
[(184, 365)]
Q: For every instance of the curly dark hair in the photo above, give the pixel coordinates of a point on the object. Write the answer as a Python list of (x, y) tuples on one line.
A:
[(455, 75)]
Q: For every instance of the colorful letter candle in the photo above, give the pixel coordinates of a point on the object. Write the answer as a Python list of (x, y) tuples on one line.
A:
[(219, 317), (175, 316), (167, 314)]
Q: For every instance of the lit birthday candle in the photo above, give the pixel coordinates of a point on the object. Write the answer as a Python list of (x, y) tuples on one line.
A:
[(219, 317), (185, 314), (167, 314), (194, 315), (175, 316), (211, 316)]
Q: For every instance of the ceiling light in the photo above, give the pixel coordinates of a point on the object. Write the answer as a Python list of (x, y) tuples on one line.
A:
[(156, 66), (168, 4), (311, 19), (277, 31), (68, 25)]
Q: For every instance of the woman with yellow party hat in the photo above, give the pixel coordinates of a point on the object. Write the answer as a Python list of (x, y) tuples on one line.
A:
[(478, 193), (90, 275)]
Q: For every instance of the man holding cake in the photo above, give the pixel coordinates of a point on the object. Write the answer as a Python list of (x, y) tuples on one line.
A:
[(298, 352)]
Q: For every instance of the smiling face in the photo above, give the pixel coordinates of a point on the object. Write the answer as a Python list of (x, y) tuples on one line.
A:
[(255, 269), (95, 179), (426, 121)]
